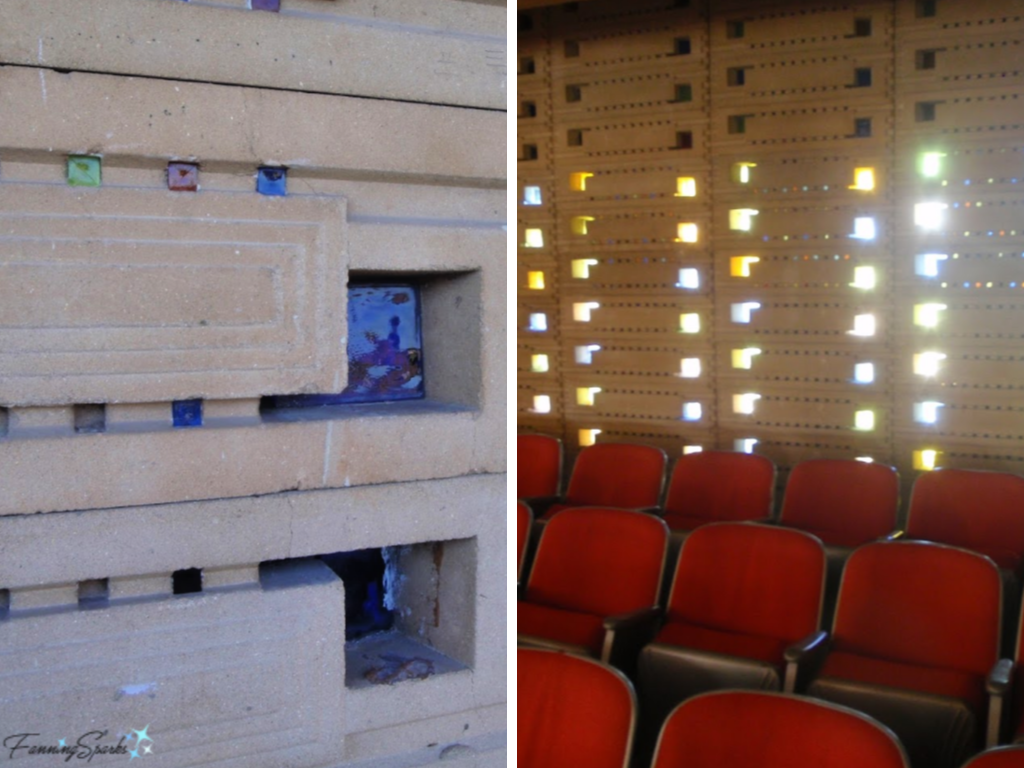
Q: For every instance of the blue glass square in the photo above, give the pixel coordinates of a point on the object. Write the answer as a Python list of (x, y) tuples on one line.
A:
[(272, 181), (187, 413)]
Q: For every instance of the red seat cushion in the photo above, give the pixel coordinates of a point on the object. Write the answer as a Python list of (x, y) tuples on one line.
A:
[(719, 486), (767, 649), (965, 686), (571, 627), (538, 465)]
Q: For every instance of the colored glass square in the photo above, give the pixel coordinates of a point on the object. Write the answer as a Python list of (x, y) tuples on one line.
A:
[(182, 177), (265, 5), (84, 171), (385, 349), (272, 181), (187, 413)]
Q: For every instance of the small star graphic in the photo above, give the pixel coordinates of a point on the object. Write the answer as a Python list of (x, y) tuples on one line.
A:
[(133, 753), (61, 742), (147, 749), (143, 735)]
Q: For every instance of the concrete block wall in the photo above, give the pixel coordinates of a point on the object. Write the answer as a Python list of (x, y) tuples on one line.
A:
[(118, 300)]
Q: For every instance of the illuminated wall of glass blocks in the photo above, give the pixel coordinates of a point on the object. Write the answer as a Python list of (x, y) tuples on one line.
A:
[(782, 227)]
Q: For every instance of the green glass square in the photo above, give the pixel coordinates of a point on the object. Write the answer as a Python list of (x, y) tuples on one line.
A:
[(83, 171)]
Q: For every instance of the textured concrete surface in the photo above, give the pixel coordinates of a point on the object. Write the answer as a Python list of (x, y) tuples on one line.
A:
[(440, 52)]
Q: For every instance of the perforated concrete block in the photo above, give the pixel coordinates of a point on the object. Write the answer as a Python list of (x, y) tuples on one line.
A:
[(438, 51), (244, 677)]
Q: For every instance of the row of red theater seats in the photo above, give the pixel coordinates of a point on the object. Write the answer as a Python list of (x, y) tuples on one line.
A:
[(575, 712), (914, 643), (845, 503)]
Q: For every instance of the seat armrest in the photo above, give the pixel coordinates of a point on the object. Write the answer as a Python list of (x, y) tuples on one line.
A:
[(626, 634), (803, 659), (540, 504), (997, 685)]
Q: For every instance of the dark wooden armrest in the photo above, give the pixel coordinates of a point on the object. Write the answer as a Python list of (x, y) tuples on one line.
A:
[(540, 504), (626, 634), (997, 685), (803, 658)]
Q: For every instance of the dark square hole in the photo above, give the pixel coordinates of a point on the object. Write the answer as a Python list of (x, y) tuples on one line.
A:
[(574, 137), (734, 29), (5, 421), (924, 111), (187, 413), (573, 93), (926, 8), (684, 140), (93, 593), (528, 109), (572, 49), (684, 92), (529, 152), (524, 21), (925, 59), (363, 573), (681, 46), (862, 77), (90, 418), (736, 75), (862, 127), (187, 581), (527, 66), (5, 603), (737, 124), (862, 27)]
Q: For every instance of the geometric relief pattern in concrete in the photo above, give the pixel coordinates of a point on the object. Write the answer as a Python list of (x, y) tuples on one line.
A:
[(233, 678), (118, 295)]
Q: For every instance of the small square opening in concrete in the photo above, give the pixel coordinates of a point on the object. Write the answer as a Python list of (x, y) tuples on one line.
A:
[(84, 171), (5, 421), (187, 581), (182, 177), (93, 593), (272, 181), (90, 418), (529, 152), (187, 413), (362, 572)]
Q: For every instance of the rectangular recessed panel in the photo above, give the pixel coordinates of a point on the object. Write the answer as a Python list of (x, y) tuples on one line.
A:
[(236, 678), (111, 295)]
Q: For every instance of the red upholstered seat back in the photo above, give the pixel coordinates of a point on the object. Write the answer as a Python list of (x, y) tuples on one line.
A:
[(599, 561), (734, 729), (572, 711), (617, 475), (525, 520), (920, 603), (721, 486), (538, 466), (980, 511), (842, 501), (1001, 757), (749, 578)]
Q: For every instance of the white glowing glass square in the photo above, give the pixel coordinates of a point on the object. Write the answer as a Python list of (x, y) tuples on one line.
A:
[(742, 219), (538, 321), (864, 421), (588, 437), (744, 403), (927, 264), (744, 358), (688, 449), (533, 238), (864, 228), (578, 181), (863, 325), (535, 281), (542, 404), (864, 373), (927, 315), (585, 395), (927, 412), (686, 186), (687, 232), (865, 459), (692, 411), (581, 310), (740, 313), (864, 278), (925, 459), (690, 367), (531, 196), (931, 164), (745, 444), (929, 215), (539, 363), (689, 322), (927, 363), (585, 353), (578, 224), (581, 268), (689, 278), (741, 172)]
